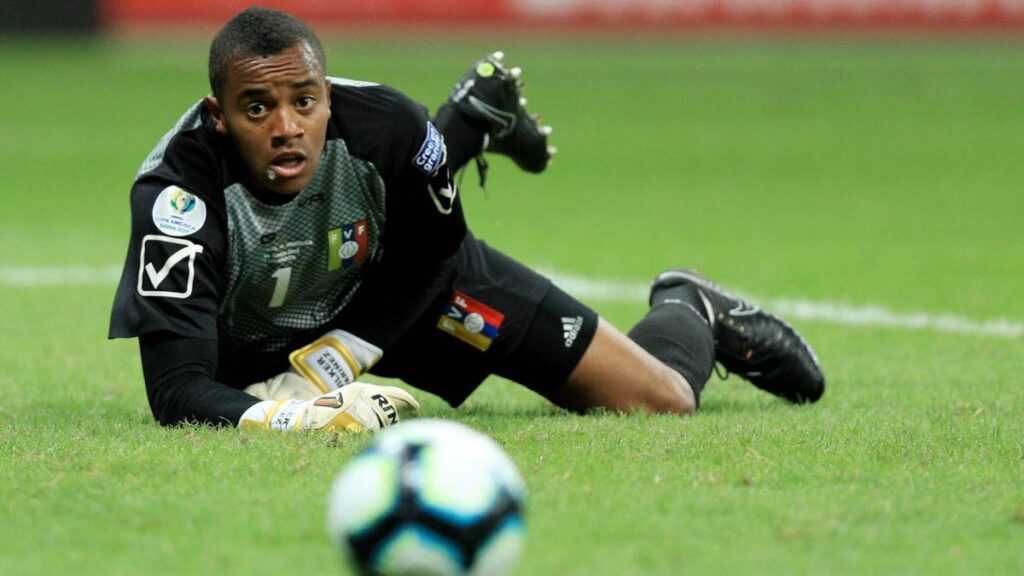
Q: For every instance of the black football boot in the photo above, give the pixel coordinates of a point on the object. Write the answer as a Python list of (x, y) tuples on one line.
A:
[(752, 343), (489, 95)]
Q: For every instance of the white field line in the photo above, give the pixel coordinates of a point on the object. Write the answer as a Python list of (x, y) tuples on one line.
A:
[(42, 276), (603, 290), (801, 309)]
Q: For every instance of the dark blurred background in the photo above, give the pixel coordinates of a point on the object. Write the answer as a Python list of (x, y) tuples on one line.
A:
[(30, 16)]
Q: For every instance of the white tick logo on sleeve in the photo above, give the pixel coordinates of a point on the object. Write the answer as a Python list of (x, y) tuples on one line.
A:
[(178, 212), (167, 266), (443, 196)]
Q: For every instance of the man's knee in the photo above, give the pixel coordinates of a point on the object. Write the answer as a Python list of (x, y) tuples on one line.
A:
[(658, 392), (671, 394)]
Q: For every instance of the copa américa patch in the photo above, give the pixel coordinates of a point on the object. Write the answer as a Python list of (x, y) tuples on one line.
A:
[(178, 212)]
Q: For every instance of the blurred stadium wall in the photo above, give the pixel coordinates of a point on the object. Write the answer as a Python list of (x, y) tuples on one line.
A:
[(48, 15), (609, 14)]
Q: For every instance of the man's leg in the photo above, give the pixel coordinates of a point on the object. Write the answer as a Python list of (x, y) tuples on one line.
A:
[(486, 112), (617, 374), (692, 323), (661, 367)]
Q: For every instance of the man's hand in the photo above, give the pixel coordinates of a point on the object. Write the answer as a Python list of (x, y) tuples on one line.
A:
[(335, 359), (284, 386), (356, 407)]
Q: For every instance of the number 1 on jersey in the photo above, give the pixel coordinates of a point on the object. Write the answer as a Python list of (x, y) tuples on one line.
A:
[(282, 277)]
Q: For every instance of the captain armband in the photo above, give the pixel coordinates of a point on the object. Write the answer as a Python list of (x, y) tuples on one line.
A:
[(335, 359)]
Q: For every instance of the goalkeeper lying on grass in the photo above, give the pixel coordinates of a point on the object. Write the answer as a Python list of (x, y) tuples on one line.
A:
[(295, 231)]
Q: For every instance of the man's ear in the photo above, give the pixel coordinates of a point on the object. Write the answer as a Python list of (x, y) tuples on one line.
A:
[(216, 113)]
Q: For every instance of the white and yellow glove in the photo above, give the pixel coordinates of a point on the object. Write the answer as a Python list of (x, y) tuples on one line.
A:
[(335, 359), (356, 407), (284, 386)]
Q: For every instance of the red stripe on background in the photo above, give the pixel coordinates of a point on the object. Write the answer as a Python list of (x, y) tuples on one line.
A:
[(597, 14), (781, 13), (220, 11)]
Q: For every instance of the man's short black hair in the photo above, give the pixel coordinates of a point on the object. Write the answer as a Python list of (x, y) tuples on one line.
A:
[(258, 32)]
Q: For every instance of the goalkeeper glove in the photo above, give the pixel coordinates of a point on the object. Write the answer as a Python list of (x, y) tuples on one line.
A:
[(335, 359), (284, 386), (356, 407)]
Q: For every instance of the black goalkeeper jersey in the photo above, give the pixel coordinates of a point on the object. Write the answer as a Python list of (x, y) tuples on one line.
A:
[(365, 247)]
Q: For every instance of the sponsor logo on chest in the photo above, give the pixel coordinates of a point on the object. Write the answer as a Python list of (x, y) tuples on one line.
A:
[(279, 249)]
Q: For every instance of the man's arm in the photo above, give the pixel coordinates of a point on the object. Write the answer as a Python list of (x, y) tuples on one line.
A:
[(181, 388), (180, 384), (171, 281)]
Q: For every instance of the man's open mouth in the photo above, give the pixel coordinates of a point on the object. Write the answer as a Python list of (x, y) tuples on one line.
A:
[(287, 165)]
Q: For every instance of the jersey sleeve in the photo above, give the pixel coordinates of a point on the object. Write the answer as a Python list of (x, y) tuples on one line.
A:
[(172, 273), (179, 382), (169, 290), (425, 221), (424, 227)]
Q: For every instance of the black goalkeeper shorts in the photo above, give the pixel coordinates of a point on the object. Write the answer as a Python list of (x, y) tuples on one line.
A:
[(499, 318)]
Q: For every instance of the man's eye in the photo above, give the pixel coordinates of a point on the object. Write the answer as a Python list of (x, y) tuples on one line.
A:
[(256, 110), (305, 102)]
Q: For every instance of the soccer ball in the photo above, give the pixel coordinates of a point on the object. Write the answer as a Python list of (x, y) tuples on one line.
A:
[(430, 498)]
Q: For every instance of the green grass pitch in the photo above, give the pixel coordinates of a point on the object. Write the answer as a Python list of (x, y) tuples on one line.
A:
[(865, 171)]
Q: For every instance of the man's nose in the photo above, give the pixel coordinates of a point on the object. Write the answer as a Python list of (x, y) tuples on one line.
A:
[(286, 126)]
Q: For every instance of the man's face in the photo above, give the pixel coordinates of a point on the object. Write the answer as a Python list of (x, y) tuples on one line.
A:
[(276, 109)]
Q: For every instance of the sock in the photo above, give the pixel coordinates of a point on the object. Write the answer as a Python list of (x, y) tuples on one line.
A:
[(678, 335), (463, 140), (681, 294)]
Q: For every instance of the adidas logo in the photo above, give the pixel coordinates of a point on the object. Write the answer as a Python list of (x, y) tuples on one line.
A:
[(571, 329)]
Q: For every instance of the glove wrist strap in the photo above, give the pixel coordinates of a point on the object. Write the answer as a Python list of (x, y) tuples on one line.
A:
[(258, 415), (334, 360)]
